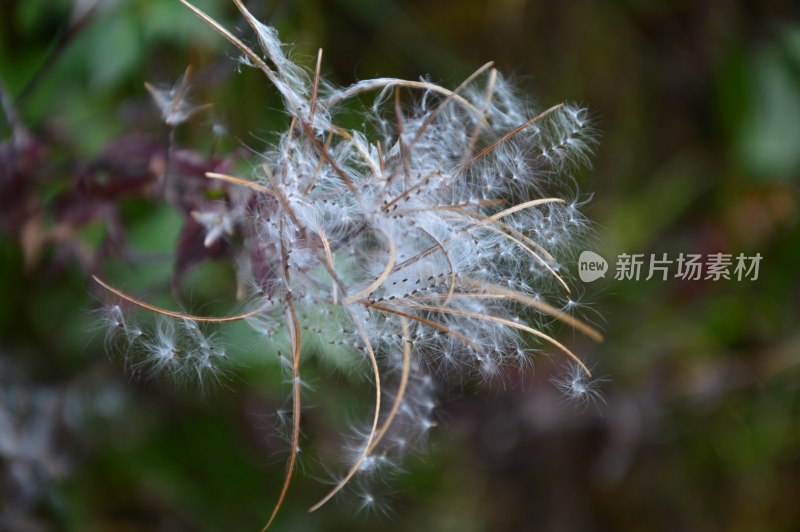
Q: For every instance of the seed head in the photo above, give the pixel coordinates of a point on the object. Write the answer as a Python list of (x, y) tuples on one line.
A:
[(427, 242)]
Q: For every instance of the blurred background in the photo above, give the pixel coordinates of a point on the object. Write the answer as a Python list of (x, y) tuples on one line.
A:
[(697, 105)]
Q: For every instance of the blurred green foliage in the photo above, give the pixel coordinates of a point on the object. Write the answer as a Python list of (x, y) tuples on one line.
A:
[(698, 106)]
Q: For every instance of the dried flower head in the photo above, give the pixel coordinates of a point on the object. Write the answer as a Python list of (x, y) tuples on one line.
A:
[(173, 103), (422, 244)]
